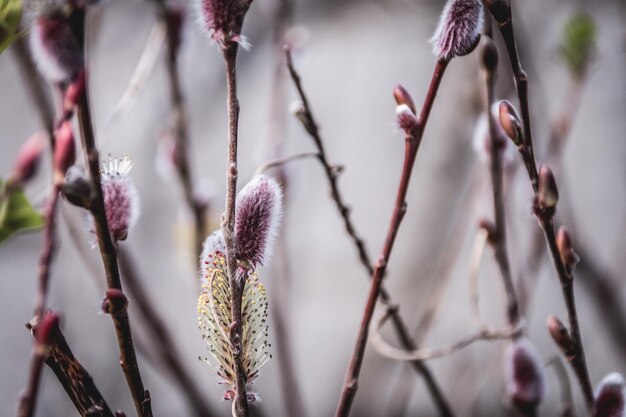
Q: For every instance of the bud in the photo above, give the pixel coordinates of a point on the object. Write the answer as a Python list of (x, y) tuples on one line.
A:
[(402, 96), (47, 328), (609, 396), (257, 220), (568, 256), (560, 334), (481, 139), (459, 29), (523, 373), (121, 202), (547, 193), (74, 91), (490, 56), (499, 9), (511, 123), (64, 151), (55, 48), (77, 189), (223, 19), (114, 302), (27, 160), (213, 249), (407, 121)]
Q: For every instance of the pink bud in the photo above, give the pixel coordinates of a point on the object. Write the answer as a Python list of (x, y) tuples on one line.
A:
[(114, 302), (121, 202), (407, 121), (459, 29), (64, 150), (523, 373), (47, 328), (223, 19), (609, 396), (27, 160), (402, 96), (257, 219), (55, 48), (547, 192), (74, 91)]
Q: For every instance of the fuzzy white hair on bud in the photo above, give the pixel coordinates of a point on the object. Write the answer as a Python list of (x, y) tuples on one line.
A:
[(609, 396), (458, 31), (523, 373)]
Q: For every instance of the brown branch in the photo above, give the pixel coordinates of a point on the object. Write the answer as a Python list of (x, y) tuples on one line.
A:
[(497, 236), (576, 355), (161, 336), (74, 378), (331, 171), (108, 252), (567, 405), (279, 162), (412, 142), (168, 17), (240, 403)]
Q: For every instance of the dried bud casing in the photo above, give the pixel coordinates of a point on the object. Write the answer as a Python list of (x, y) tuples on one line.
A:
[(609, 397), (490, 56), (511, 123), (547, 193), (407, 121), (499, 9), (64, 151), (459, 29), (56, 50), (77, 189), (523, 372), (568, 256), (114, 302), (402, 96), (257, 220), (223, 19), (560, 334), (27, 160)]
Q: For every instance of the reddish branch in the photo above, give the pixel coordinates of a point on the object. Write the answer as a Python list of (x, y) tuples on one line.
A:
[(332, 172), (412, 141)]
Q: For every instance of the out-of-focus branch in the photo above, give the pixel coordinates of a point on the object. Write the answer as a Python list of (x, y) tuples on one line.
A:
[(308, 120), (567, 405)]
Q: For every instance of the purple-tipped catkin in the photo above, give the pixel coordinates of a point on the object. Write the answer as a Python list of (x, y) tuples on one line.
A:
[(523, 374), (223, 19), (55, 48), (609, 397), (257, 219), (459, 29), (121, 202)]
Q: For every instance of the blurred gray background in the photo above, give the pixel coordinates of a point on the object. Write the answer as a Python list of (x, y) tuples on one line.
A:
[(350, 54)]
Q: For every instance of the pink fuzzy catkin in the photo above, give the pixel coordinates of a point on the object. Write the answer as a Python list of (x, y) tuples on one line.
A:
[(523, 374), (459, 29), (223, 19), (609, 397)]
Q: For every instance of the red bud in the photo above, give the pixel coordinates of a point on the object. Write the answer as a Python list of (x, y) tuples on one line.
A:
[(64, 151), (27, 160)]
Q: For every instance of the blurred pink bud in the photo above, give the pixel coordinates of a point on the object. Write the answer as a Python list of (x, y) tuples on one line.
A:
[(510, 122), (547, 193), (257, 220), (407, 121), (459, 29), (560, 334), (523, 373), (74, 91), (114, 302), (64, 150), (609, 396), (229, 395), (223, 19), (121, 202), (568, 256), (481, 140), (55, 48), (47, 328), (27, 160)]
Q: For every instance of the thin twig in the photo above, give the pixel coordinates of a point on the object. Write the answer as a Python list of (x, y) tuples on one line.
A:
[(331, 171), (240, 403), (279, 162), (161, 336), (567, 405), (73, 377), (412, 141), (486, 333), (576, 356), (108, 251)]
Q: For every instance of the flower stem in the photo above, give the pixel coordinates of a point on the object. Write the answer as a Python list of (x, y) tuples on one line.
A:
[(412, 143), (240, 403)]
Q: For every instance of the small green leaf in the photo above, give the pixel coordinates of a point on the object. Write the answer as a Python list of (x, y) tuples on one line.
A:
[(17, 214), (10, 15), (579, 43)]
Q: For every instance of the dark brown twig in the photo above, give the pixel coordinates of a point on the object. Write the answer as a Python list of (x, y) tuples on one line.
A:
[(161, 336), (331, 171), (576, 353), (412, 141), (108, 251)]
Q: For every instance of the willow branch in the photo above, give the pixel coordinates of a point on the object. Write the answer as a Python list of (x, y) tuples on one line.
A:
[(279, 162), (412, 141)]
